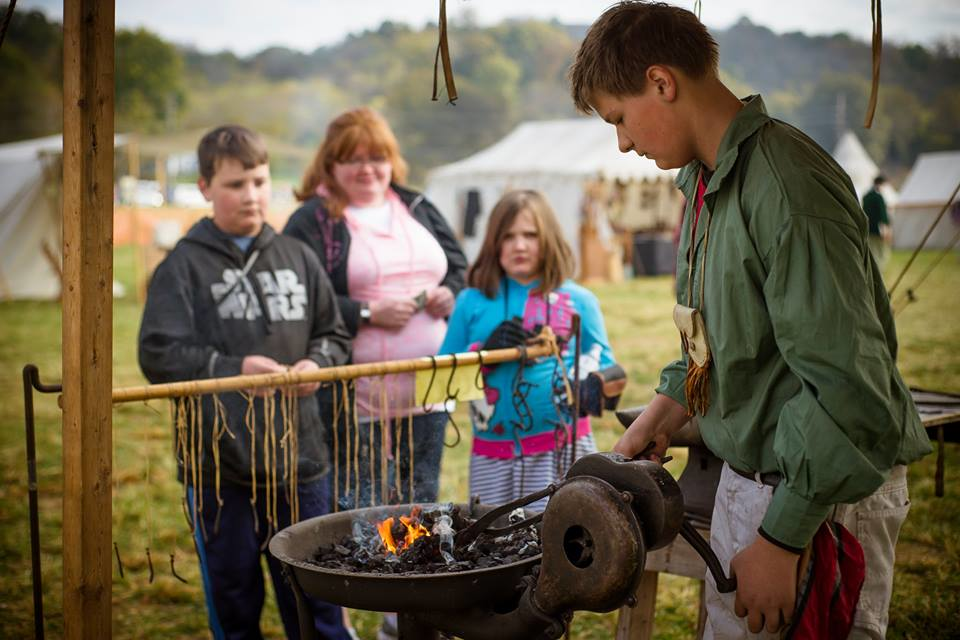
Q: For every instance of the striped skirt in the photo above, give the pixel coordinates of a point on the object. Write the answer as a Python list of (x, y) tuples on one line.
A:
[(497, 481)]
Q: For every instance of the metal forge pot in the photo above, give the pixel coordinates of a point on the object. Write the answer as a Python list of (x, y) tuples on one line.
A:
[(598, 525)]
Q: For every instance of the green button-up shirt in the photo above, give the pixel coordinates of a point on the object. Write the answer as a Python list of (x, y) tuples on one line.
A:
[(803, 379)]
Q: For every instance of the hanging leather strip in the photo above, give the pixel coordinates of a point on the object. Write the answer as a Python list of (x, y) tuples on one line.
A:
[(877, 49), (443, 55)]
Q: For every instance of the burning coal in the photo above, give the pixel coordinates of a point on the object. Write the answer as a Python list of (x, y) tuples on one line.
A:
[(398, 534), (423, 543)]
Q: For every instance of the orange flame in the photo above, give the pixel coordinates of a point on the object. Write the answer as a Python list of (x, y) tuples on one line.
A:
[(412, 530)]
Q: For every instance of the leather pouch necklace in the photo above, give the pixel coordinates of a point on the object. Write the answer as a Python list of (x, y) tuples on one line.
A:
[(693, 329)]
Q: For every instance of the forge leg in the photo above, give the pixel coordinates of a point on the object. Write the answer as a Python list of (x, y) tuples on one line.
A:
[(412, 629), (308, 631)]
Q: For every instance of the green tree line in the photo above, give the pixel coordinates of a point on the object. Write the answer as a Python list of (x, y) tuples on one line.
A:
[(505, 74)]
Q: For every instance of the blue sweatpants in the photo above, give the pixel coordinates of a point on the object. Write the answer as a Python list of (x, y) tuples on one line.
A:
[(230, 563)]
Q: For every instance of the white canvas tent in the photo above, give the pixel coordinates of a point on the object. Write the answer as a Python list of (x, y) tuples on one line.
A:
[(31, 218), (558, 157), (30, 222), (854, 159), (929, 184)]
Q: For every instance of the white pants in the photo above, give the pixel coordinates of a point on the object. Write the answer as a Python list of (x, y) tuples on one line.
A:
[(737, 513)]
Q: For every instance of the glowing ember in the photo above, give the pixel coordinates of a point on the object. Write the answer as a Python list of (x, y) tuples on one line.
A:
[(398, 535)]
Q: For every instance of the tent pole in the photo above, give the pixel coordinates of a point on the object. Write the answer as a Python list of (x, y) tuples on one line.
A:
[(88, 129)]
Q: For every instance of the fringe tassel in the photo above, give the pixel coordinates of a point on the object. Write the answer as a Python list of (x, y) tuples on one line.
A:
[(697, 388)]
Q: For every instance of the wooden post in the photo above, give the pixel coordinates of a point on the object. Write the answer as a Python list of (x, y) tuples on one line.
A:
[(88, 76), (636, 623)]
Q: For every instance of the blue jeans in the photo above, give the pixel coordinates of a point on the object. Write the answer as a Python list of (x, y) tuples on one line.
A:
[(359, 490), (231, 567)]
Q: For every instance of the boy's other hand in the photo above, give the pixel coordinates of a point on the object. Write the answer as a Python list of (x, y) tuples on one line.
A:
[(766, 585), (392, 313), (255, 364), (306, 388), (440, 302)]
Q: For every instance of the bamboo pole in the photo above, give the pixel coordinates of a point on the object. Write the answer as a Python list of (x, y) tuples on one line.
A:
[(327, 374), (88, 76)]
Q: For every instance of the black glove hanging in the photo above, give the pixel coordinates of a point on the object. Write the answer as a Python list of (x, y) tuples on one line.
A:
[(600, 391), (507, 334)]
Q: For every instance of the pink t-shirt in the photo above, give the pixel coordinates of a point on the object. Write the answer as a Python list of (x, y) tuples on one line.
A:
[(395, 262)]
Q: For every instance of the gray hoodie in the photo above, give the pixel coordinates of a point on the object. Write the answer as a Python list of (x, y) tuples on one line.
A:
[(209, 304)]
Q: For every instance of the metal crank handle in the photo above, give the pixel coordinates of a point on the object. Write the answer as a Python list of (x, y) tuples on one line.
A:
[(468, 535), (701, 546), (647, 449)]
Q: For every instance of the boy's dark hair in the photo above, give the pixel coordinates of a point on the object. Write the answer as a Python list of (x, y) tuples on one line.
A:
[(631, 36), (230, 141), (879, 180)]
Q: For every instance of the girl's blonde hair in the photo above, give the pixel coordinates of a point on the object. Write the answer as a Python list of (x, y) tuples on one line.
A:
[(556, 257), (362, 127)]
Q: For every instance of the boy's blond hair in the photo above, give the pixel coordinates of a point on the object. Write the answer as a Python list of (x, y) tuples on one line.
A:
[(627, 39), (230, 141), (556, 258)]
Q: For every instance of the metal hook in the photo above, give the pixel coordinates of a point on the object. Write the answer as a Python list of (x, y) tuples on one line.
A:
[(453, 372), (478, 379), (173, 570), (116, 550), (433, 376), (446, 403), (150, 566)]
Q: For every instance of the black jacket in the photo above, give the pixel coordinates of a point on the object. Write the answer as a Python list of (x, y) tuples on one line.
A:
[(209, 305), (330, 239)]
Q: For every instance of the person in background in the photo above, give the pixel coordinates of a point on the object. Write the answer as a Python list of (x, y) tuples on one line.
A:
[(235, 298), (789, 346), (396, 267), (520, 282), (880, 233)]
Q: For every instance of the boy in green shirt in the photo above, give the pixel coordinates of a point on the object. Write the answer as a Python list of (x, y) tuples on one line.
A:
[(789, 344)]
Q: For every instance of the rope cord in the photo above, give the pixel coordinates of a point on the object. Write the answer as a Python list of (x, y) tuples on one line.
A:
[(909, 296), (926, 236)]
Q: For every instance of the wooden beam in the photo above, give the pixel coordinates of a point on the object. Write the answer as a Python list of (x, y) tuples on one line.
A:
[(88, 77)]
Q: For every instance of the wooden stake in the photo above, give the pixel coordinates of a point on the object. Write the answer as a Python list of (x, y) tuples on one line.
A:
[(88, 76)]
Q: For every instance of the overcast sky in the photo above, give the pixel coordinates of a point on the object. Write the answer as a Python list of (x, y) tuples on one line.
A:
[(247, 26)]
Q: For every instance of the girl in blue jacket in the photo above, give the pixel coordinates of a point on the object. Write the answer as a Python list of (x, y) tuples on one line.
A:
[(519, 283)]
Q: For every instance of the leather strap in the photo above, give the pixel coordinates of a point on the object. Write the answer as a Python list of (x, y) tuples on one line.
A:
[(443, 55), (877, 50)]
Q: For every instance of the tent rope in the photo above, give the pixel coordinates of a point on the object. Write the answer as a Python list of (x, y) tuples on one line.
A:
[(909, 296), (926, 236)]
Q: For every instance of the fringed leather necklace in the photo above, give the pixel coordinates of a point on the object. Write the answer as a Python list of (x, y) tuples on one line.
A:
[(693, 329)]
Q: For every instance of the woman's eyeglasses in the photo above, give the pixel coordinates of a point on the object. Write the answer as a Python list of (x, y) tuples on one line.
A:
[(356, 162)]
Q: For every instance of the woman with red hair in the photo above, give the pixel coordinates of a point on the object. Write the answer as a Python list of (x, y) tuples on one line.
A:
[(396, 268)]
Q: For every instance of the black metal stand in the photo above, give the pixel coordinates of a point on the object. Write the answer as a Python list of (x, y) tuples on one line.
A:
[(308, 631), (410, 628), (31, 381)]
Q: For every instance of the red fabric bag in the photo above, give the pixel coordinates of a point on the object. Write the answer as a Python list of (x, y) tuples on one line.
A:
[(829, 586)]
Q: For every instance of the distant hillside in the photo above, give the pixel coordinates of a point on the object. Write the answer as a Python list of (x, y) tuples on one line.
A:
[(505, 74), (516, 71)]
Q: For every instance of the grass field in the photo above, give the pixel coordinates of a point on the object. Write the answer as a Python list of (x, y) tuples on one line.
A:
[(146, 509)]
